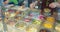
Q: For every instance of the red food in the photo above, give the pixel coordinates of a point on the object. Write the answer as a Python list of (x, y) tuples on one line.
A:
[(41, 17), (27, 20)]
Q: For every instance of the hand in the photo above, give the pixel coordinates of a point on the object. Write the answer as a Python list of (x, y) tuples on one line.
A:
[(32, 5), (52, 5)]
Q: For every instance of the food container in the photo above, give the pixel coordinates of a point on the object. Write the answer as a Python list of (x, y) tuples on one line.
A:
[(47, 12), (48, 25), (31, 28), (57, 27), (11, 23), (50, 19), (7, 14), (12, 15), (17, 18), (1, 25), (21, 25), (37, 22)]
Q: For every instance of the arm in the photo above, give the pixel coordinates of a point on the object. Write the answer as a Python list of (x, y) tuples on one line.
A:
[(53, 5)]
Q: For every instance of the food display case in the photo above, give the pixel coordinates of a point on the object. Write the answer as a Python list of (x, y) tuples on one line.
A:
[(20, 20), (15, 19)]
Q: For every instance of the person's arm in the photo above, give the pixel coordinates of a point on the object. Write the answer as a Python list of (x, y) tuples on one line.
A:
[(52, 5)]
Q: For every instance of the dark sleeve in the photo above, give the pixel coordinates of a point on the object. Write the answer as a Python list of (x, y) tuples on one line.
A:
[(11, 3), (20, 1), (4, 0), (29, 2)]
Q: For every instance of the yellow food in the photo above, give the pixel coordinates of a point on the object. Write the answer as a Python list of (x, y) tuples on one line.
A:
[(47, 25), (38, 22), (12, 15), (7, 14), (50, 19), (21, 27), (31, 29), (47, 10)]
